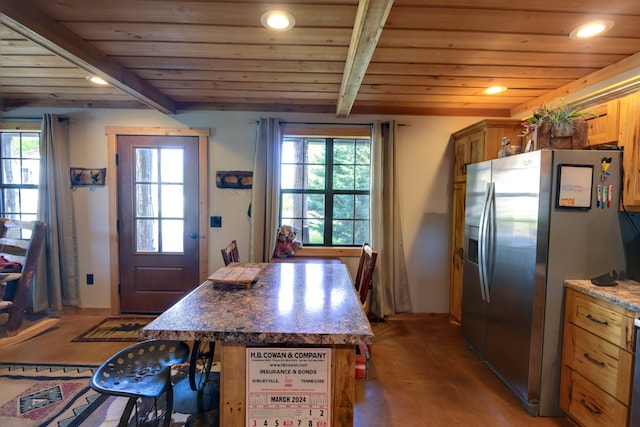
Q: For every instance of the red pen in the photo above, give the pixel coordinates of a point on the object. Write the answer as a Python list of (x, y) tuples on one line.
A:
[(609, 195)]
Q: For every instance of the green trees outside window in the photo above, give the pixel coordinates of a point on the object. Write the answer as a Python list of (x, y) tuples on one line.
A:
[(325, 186), (19, 174)]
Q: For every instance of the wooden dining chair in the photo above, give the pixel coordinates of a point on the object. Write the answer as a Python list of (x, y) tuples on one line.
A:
[(230, 253), (364, 274)]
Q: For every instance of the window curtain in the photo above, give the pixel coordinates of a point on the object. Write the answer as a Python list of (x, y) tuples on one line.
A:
[(390, 292), (265, 190), (56, 283)]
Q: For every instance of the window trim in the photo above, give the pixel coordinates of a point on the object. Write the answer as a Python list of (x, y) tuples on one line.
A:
[(329, 132), (328, 251), (19, 126)]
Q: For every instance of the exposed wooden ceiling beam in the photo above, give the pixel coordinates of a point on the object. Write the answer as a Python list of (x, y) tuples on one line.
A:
[(370, 20), (27, 20)]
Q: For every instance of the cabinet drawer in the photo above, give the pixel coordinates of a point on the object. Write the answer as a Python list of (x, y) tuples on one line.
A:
[(589, 405), (600, 318), (605, 364)]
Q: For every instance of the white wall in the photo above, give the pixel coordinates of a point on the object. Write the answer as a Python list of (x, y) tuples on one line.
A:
[(425, 160)]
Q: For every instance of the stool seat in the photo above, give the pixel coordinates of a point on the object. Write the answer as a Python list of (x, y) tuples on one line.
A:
[(141, 370), (142, 382)]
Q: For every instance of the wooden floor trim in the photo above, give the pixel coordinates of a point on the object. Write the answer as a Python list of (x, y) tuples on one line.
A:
[(417, 316), (84, 311)]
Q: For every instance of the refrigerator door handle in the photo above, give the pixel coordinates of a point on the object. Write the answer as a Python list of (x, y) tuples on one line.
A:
[(482, 243), (488, 257)]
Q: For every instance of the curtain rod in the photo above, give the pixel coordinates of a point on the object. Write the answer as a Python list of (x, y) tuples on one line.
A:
[(327, 123), (20, 119), (30, 119)]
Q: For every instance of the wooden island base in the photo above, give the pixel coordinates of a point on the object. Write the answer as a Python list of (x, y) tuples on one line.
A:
[(233, 385)]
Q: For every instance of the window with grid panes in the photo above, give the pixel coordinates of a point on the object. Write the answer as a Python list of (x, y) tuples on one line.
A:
[(20, 174), (325, 188)]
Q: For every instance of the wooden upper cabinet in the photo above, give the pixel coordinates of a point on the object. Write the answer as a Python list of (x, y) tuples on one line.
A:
[(482, 141), (605, 126), (468, 149), (630, 141)]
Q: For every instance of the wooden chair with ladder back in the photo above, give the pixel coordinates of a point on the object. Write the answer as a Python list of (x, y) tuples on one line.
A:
[(362, 284), (21, 243), (364, 274), (230, 253)]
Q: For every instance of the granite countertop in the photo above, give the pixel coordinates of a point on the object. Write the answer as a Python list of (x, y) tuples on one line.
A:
[(293, 303), (626, 294)]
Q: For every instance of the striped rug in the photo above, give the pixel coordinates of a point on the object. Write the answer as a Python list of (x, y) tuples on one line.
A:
[(117, 329)]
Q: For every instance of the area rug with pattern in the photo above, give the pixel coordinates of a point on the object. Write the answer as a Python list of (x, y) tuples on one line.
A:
[(46, 395), (34, 395), (186, 412), (117, 328)]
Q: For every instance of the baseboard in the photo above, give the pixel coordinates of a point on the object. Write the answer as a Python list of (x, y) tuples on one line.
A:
[(85, 311), (417, 316)]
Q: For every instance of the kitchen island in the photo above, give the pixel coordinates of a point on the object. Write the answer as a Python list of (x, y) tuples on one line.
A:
[(310, 305)]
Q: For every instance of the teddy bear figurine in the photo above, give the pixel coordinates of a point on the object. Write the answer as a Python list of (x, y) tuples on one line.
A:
[(286, 244), (507, 149)]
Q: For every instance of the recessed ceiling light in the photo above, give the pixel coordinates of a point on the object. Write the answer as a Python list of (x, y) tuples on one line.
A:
[(591, 29), (278, 20), (97, 80), (492, 90)]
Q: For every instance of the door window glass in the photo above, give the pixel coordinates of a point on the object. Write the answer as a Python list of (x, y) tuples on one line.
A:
[(159, 189)]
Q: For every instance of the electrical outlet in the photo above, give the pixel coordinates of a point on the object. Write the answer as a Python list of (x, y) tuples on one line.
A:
[(89, 279)]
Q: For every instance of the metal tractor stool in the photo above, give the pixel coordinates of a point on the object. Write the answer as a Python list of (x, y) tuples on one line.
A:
[(142, 370)]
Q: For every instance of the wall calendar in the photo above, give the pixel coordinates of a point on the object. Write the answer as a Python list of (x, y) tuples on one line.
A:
[(288, 387)]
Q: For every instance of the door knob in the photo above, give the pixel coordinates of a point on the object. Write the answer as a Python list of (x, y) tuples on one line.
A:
[(193, 235)]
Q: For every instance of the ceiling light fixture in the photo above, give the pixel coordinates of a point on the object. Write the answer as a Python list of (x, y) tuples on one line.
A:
[(97, 80), (591, 29), (278, 20), (493, 90)]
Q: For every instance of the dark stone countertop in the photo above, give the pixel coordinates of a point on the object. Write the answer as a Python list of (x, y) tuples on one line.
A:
[(292, 303)]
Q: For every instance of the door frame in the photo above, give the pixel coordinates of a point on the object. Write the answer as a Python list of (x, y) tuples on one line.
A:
[(112, 133)]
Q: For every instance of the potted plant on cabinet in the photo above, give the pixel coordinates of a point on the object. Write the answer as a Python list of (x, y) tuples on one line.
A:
[(562, 126)]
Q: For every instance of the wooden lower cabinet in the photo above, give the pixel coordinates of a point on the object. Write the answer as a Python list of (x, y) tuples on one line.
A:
[(588, 405), (597, 361)]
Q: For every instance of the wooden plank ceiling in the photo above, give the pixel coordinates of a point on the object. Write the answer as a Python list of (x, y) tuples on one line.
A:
[(426, 57)]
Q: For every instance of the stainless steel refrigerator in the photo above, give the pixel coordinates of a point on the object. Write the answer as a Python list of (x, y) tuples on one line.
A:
[(532, 221)]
